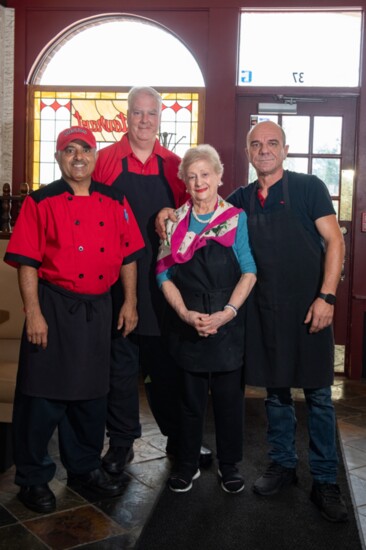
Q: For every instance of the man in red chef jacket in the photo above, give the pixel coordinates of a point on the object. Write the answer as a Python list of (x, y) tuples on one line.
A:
[(73, 239)]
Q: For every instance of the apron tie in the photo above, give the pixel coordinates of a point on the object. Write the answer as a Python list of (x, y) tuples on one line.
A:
[(88, 307)]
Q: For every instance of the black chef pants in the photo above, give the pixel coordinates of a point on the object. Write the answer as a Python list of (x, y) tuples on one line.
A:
[(162, 386), (123, 421), (160, 376), (80, 425), (227, 395)]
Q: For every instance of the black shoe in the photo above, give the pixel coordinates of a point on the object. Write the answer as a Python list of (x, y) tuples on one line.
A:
[(38, 498), (182, 481), (99, 482), (116, 459), (273, 479), (205, 459), (231, 480), (328, 498)]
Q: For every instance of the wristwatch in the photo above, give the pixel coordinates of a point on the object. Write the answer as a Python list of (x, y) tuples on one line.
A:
[(329, 298)]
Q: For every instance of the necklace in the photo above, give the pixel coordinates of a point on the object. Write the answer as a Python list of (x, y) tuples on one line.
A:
[(202, 221)]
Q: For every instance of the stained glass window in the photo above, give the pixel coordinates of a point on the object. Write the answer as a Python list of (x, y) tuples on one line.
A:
[(94, 93), (105, 114)]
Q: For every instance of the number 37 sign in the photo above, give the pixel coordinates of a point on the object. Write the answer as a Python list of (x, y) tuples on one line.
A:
[(246, 77), (330, 58)]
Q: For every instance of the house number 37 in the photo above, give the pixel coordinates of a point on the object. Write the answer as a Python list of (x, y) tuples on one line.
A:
[(298, 77)]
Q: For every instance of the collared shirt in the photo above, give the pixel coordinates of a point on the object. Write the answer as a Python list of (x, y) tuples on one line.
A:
[(109, 166), (76, 242)]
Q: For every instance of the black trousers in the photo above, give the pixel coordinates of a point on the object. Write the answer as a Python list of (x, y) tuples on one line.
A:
[(123, 421), (227, 394), (162, 386), (80, 424), (161, 381)]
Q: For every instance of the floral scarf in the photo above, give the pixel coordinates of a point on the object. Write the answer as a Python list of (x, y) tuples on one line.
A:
[(181, 244)]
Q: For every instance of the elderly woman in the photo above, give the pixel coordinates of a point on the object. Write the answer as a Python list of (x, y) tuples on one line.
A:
[(206, 271)]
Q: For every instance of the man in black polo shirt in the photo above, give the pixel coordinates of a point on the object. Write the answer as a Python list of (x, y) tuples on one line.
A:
[(299, 251)]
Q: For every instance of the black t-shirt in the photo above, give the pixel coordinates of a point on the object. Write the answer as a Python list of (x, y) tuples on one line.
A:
[(309, 198)]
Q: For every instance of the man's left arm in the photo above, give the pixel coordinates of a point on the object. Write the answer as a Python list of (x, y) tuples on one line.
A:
[(127, 319), (320, 314)]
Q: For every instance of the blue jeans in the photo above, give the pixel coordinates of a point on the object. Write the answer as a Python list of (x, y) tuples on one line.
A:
[(323, 459)]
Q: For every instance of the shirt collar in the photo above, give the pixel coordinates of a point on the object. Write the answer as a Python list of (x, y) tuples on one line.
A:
[(275, 188), (126, 150)]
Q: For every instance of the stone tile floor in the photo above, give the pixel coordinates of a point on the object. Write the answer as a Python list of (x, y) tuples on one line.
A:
[(81, 521), (349, 398)]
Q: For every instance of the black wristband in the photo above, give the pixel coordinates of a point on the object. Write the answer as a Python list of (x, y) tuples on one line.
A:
[(329, 298)]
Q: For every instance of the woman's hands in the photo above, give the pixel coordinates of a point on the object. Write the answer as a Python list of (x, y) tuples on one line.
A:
[(205, 324)]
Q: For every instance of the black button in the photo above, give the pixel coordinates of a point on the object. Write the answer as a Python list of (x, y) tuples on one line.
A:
[(127, 244), (102, 249), (69, 198), (81, 275), (101, 223), (77, 222), (101, 277), (81, 248)]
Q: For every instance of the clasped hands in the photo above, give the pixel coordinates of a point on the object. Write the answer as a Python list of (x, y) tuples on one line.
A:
[(206, 324)]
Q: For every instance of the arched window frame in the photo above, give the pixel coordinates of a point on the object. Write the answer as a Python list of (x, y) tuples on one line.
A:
[(182, 116)]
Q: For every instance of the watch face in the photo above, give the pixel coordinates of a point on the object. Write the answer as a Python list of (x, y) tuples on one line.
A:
[(330, 299)]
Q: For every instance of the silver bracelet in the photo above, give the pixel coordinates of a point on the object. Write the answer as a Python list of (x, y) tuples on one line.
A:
[(233, 308)]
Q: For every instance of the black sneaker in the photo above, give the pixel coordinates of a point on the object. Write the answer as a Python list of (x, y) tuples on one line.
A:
[(231, 480), (327, 497), (182, 481), (273, 479)]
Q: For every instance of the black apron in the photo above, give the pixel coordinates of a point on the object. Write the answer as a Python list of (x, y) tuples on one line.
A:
[(280, 351), (75, 364), (206, 283), (147, 195)]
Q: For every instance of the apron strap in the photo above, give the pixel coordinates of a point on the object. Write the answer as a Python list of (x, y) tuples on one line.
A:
[(285, 192), (160, 165)]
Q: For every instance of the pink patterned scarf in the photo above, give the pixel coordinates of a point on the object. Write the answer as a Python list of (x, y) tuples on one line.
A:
[(181, 244)]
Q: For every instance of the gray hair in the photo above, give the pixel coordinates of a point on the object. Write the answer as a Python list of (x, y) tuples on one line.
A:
[(200, 152), (147, 90)]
